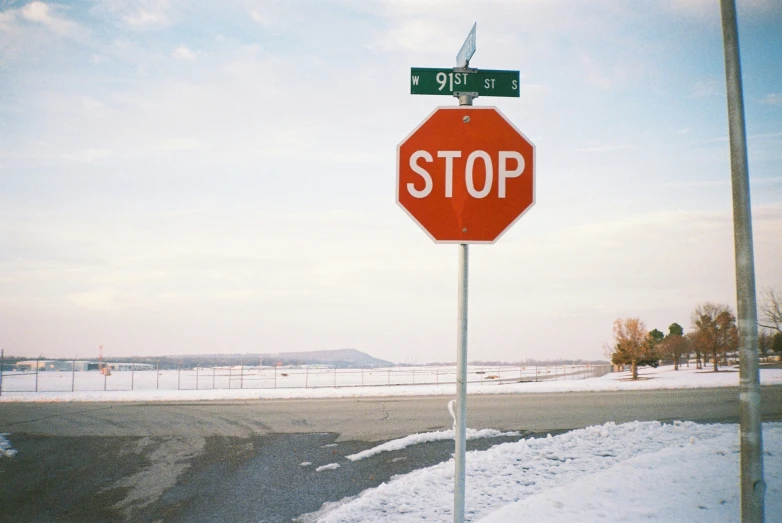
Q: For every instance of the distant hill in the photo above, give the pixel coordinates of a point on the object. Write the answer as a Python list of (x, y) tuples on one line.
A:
[(338, 358)]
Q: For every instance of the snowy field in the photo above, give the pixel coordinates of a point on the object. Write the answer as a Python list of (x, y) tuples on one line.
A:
[(633, 472), (319, 383), (299, 377)]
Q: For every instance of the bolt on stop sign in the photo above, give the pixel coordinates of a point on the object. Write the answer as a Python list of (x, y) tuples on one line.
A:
[(465, 174)]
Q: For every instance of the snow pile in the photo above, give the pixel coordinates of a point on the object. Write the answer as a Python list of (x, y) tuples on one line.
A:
[(426, 437), (5, 446), (330, 466), (640, 471)]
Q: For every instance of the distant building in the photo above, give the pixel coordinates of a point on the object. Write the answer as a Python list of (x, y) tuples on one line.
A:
[(44, 365), (78, 365), (130, 366)]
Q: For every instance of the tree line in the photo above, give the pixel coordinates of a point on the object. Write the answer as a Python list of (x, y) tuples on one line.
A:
[(712, 338)]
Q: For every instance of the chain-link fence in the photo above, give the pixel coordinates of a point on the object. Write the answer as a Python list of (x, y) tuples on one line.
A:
[(64, 376)]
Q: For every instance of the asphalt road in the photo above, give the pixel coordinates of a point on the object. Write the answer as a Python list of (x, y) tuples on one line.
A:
[(242, 461)]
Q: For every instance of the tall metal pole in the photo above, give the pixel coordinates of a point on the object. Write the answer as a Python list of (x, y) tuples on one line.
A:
[(460, 436), (753, 486), (461, 389)]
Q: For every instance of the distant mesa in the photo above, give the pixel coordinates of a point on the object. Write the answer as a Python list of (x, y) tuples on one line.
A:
[(337, 358), (343, 358)]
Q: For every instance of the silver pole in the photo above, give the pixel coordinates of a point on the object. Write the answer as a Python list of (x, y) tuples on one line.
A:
[(460, 435), (752, 485), (461, 388)]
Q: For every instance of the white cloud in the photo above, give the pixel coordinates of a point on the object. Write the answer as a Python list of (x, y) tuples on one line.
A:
[(418, 35), (42, 14), (265, 19), (593, 73), (140, 14), (604, 148), (91, 155), (184, 53), (772, 99), (711, 9), (177, 144), (704, 88)]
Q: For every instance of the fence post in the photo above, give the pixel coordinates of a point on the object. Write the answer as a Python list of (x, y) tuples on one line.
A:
[(306, 376)]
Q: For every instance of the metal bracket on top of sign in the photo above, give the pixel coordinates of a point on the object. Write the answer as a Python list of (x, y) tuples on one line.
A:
[(473, 94), (469, 70)]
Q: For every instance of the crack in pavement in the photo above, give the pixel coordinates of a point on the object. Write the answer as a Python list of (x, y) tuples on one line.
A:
[(12, 424)]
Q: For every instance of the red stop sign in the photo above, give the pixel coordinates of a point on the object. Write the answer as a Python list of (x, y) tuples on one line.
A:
[(465, 174)]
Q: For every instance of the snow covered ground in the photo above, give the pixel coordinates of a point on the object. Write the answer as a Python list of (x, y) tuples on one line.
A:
[(6, 450), (633, 472), (561, 380)]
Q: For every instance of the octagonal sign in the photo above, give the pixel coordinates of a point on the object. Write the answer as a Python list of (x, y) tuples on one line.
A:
[(465, 174)]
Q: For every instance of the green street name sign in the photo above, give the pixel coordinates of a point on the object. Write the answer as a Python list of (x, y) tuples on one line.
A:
[(485, 82)]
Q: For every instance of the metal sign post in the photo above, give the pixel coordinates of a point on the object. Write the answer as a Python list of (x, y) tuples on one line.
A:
[(460, 433), (437, 187), (753, 486)]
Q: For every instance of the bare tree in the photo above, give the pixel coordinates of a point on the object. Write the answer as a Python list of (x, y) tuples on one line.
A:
[(765, 342), (771, 310), (633, 345), (675, 344), (696, 348), (714, 331)]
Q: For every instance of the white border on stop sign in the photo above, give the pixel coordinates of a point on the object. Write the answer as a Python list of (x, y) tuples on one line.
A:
[(467, 108)]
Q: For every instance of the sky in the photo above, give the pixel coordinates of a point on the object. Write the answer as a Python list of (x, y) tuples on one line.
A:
[(204, 177)]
